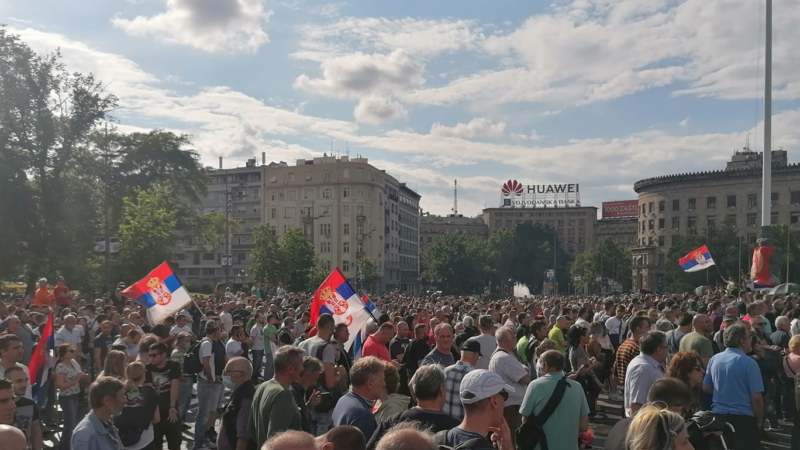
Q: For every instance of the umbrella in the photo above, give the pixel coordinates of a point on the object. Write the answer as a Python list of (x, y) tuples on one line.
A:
[(785, 288)]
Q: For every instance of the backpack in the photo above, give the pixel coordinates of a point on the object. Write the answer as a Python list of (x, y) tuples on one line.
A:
[(440, 440), (327, 402), (191, 359), (531, 433)]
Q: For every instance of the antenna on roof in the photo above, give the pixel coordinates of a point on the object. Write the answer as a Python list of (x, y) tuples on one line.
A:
[(455, 198), (747, 143)]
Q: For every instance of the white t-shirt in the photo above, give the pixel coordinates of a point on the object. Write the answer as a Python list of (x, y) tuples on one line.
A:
[(511, 371), (207, 351), (257, 337), (74, 337), (614, 325), (227, 321), (488, 346), (233, 348)]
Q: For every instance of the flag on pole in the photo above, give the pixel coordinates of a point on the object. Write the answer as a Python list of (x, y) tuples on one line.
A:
[(160, 292), (696, 260), (39, 366), (336, 297)]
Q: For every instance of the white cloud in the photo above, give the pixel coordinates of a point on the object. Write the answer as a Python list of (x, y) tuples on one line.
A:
[(684, 123), (377, 110), (478, 127), (208, 25)]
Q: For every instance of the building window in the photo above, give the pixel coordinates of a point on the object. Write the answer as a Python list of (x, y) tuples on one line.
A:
[(691, 223), (676, 222), (288, 213), (346, 229), (730, 220), (208, 257), (662, 206), (751, 219), (711, 223), (346, 265), (775, 198), (731, 201), (692, 204), (650, 207), (661, 241), (345, 192), (643, 209), (676, 205), (651, 224), (711, 202), (794, 218), (273, 212), (644, 227), (773, 218), (661, 223), (794, 197), (345, 247), (752, 200), (325, 229)]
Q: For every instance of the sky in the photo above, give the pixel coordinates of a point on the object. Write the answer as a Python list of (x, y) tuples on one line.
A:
[(596, 92)]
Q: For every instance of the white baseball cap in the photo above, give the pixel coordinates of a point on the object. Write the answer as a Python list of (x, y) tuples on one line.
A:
[(479, 384)]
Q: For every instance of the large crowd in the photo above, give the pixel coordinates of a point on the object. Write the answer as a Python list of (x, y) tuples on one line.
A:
[(244, 369)]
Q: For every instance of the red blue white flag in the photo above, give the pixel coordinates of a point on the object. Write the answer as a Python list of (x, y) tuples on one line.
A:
[(160, 292), (697, 259), (39, 366), (336, 297)]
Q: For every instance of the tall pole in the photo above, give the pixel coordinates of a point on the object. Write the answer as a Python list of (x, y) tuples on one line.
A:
[(766, 170)]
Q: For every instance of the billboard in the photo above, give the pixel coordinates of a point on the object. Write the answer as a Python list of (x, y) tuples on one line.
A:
[(514, 194), (622, 208)]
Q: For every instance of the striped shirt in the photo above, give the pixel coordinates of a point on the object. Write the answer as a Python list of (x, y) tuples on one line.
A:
[(625, 354)]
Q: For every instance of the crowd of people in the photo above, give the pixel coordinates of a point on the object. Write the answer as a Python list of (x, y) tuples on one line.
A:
[(241, 370)]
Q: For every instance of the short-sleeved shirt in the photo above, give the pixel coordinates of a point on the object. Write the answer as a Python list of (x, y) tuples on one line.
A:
[(436, 357), (625, 354), (642, 372), (257, 337), (233, 348), (71, 372), (488, 346), (321, 349), (161, 379), (696, 342), (27, 412), (374, 348), (273, 411), (352, 409), (74, 336), (734, 378), (457, 436), (243, 430), (614, 325), (452, 385), (557, 335), (269, 332), (206, 350), (563, 427), (511, 371)]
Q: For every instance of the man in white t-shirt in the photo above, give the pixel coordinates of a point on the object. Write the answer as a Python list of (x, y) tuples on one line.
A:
[(614, 326), (233, 347), (226, 318), (486, 339), (504, 362), (70, 332), (209, 383)]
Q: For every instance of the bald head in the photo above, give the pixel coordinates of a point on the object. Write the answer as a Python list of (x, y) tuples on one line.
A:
[(290, 440), (406, 439), (239, 369), (702, 324), (12, 438), (506, 337)]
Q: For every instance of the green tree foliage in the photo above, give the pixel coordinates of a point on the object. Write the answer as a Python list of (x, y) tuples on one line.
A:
[(318, 274), (147, 231), (607, 261), (724, 245), (457, 263), (287, 262), (787, 246), (46, 117), (366, 274), (585, 271)]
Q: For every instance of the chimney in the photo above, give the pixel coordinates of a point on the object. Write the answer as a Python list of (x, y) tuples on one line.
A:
[(220, 162), (263, 158)]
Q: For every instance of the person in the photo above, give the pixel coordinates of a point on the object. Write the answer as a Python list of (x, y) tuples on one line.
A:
[(165, 377), (486, 340), (394, 403), (629, 348), (291, 440), (614, 326), (427, 387), (644, 370), (735, 382), (398, 345), (699, 340), (442, 352), (470, 353), (321, 348), (483, 395), (343, 437), (571, 415), (182, 324), (70, 332), (674, 336), (209, 384), (416, 350), (12, 438), (42, 296), (183, 342), (102, 344), (274, 409), (368, 384), (8, 407), (96, 431), (235, 432), (11, 351), (114, 365), (556, 334), (68, 377), (257, 342), (140, 413), (306, 396), (582, 366), (672, 392), (235, 345), (688, 367), (26, 417), (61, 292), (270, 332), (515, 374), (377, 343), (657, 428), (406, 438), (782, 333)]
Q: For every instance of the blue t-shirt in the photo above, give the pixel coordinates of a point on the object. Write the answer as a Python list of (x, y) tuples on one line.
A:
[(352, 409), (735, 378)]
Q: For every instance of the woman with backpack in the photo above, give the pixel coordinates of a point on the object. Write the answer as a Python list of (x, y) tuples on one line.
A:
[(135, 424)]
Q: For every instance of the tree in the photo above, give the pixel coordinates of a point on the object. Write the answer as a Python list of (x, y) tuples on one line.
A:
[(456, 263), (585, 271), (148, 228), (46, 117), (366, 273), (297, 260), (318, 274), (787, 246), (265, 256)]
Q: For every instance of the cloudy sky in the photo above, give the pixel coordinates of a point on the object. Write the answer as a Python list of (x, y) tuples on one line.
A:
[(596, 92)]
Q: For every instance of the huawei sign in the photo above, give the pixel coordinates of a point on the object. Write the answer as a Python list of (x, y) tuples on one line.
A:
[(511, 187)]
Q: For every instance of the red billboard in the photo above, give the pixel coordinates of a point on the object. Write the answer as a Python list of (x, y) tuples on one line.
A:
[(623, 208)]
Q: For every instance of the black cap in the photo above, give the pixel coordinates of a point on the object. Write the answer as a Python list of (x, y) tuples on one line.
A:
[(472, 346)]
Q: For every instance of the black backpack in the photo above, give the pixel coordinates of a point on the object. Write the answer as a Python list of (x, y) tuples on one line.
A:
[(531, 433), (191, 359)]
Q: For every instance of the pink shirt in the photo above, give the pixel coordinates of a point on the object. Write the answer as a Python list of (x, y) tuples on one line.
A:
[(374, 348)]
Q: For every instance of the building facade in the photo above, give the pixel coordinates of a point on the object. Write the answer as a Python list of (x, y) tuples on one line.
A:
[(351, 212), (575, 225), (696, 203), (237, 194), (409, 245), (621, 230), (432, 226)]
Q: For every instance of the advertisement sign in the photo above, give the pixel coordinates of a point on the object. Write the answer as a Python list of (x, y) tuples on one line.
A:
[(514, 194), (623, 208)]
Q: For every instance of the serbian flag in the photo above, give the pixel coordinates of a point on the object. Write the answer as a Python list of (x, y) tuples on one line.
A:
[(697, 259), (336, 297), (160, 292), (38, 368)]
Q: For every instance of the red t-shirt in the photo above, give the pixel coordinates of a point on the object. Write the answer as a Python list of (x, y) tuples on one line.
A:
[(374, 348)]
